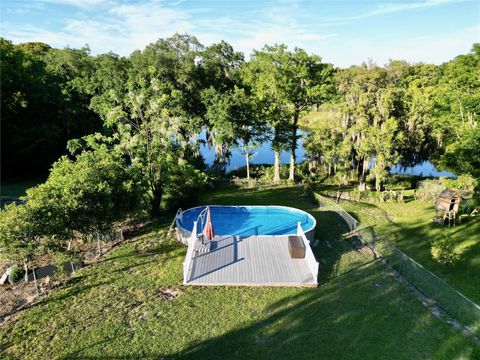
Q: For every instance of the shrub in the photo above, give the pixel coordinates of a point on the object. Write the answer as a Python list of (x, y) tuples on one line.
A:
[(256, 171), (463, 182), (18, 233), (184, 187), (443, 251), (467, 206), (15, 274), (401, 181), (269, 171), (428, 189), (87, 195)]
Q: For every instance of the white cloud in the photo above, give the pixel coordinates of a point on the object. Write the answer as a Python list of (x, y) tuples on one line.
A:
[(76, 3), (120, 28), (390, 8), (124, 27), (396, 7)]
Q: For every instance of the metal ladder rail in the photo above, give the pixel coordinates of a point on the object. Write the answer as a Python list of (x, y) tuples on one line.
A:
[(179, 212)]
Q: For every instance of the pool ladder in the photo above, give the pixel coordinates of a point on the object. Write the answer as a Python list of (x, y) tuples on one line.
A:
[(179, 212)]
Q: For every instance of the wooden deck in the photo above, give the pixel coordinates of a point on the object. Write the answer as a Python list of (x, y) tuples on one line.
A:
[(251, 261)]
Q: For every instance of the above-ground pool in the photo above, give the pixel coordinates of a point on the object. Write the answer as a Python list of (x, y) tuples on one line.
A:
[(250, 220)]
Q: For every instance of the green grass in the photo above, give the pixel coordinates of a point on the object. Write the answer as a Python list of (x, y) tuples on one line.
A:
[(113, 310), (410, 227)]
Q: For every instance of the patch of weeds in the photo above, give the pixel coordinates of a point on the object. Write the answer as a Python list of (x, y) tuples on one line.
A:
[(443, 251)]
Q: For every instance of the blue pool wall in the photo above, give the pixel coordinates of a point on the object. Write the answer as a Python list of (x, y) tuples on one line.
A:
[(307, 220)]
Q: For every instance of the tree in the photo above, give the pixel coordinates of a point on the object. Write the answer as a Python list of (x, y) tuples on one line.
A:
[(169, 70), (219, 66), (325, 144), (261, 75), (457, 113), (293, 81), (18, 241), (44, 102), (234, 120), (153, 116), (372, 110), (420, 142), (306, 82), (86, 195), (463, 155)]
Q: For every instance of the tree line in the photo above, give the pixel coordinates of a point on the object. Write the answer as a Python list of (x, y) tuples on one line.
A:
[(132, 124), (399, 113)]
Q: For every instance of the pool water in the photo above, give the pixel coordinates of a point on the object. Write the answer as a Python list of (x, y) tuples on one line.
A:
[(250, 220)]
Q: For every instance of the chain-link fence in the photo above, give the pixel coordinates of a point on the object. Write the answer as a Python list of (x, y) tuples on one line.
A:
[(454, 303)]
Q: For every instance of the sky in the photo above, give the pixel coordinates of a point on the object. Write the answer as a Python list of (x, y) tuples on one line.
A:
[(341, 32)]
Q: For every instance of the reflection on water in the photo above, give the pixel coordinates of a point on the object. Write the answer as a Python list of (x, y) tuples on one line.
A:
[(424, 169), (261, 155), (264, 155)]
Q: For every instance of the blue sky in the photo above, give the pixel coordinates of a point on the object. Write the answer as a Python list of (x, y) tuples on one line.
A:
[(341, 32)]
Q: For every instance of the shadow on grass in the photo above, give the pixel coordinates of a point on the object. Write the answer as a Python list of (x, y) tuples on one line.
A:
[(314, 323), (414, 233), (304, 335)]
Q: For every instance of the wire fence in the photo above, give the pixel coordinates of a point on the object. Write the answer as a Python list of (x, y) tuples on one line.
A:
[(328, 204), (454, 303), (260, 183)]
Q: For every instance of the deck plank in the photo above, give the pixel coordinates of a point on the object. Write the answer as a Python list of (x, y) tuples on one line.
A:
[(256, 261)]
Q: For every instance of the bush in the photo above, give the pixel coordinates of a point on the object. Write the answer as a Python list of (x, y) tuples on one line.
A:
[(467, 206), (463, 182), (256, 171), (18, 233), (184, 187), (269, 171), (15, 274), (443, 251), (428, 189), (401, 181), (87, 195)]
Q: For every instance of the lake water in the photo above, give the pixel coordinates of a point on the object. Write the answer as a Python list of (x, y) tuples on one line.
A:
[(264, 155)]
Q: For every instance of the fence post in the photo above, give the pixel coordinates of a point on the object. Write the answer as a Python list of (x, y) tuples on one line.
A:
[(35, 280), (437, 292), (401, 264)]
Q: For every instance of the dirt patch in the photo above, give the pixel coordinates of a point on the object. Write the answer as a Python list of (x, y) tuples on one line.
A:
[(168, 293), (21, 295)]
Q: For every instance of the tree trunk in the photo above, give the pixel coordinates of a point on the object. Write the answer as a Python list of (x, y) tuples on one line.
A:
[(361, 174), (276, 166), (155, 203), (25, 268), (291, 176), (247, 161), (378, 183)]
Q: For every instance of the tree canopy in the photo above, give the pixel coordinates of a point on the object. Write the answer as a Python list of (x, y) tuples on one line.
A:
[(123, 133)]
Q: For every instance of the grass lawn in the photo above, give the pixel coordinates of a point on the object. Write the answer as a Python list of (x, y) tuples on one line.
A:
[(410, 227), (117, 309)]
